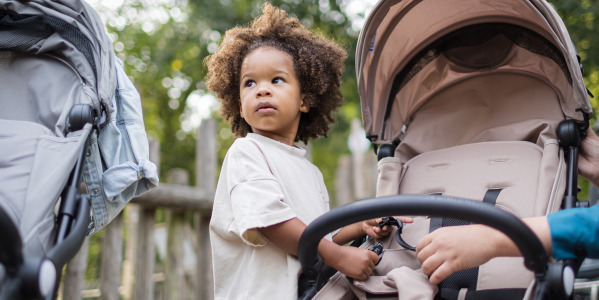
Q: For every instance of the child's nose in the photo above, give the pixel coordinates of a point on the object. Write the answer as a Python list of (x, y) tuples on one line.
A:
[(263, 91)]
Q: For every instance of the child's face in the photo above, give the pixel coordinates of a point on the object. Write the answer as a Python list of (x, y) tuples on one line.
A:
[(271, 102)]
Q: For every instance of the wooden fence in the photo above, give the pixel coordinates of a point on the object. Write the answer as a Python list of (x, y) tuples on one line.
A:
[(134, 274)]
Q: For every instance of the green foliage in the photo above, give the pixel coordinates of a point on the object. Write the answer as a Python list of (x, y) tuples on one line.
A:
[(582, 20), (94, 256)]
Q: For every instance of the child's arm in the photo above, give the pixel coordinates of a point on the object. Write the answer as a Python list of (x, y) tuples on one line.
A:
[(354, 262), (450, 249), (368, 227)]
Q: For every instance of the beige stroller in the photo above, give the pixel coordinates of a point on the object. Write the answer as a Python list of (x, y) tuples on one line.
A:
[(474, 99)]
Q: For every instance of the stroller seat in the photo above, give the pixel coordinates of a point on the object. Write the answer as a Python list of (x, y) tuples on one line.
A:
[(517, 176)]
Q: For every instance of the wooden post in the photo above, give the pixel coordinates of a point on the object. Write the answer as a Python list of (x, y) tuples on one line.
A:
[(206, 155), (132, 212), (143, 261), (175, 223), (343, 181), (205, 179), (75, 273), (112, 255)]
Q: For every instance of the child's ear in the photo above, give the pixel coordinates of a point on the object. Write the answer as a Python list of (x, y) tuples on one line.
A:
[(304, 106), (241, 112)]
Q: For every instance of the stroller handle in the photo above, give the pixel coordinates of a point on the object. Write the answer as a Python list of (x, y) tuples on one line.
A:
[(535, 257)]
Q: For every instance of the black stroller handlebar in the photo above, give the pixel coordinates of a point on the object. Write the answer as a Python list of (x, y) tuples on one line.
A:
[(535, 257)]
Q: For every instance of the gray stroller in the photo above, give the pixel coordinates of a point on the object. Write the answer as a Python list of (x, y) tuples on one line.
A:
[(73, 148), (465, 101)]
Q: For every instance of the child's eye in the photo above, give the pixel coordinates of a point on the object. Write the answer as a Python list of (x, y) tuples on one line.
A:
[(250, 83), (277, 80)]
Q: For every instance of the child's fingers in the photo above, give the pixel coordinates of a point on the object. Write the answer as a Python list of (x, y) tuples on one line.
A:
[(374, 259), (404, 219), (373, 222)]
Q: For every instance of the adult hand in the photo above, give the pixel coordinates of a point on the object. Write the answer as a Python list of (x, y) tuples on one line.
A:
[(588, 161), (450, 249)]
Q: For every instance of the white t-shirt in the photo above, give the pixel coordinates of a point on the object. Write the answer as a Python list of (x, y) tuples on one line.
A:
[(263, 182)]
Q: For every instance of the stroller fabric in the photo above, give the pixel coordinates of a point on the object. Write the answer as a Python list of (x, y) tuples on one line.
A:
[(55, 55), (397, 33)]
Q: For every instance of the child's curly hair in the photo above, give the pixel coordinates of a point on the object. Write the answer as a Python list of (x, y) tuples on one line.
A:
[(318, 64)]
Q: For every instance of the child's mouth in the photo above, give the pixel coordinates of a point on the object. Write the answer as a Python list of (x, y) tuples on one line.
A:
[(265, 108)]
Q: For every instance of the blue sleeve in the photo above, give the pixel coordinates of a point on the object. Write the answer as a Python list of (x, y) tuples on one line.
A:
[(575, 228)]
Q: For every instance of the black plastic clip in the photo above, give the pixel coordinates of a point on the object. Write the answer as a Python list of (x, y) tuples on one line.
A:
[(378, 249), (399, 224)]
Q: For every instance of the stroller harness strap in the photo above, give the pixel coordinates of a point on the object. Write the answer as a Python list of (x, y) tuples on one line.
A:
[(481, 295), (436, 223)]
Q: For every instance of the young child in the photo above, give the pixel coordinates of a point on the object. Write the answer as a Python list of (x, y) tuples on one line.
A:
[(278, 84)]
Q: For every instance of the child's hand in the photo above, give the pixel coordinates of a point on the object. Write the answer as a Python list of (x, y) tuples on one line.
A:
[(371, 227), (357, 263)]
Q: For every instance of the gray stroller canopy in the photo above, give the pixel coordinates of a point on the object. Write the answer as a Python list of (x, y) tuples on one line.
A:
[(400, 39), (70, 30), (56, 55)]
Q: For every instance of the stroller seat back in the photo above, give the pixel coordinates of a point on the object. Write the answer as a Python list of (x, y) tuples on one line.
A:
[(520, 177), (517, 176)]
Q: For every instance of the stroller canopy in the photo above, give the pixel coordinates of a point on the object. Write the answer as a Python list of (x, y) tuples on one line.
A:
[(69, 30), (401, 38)]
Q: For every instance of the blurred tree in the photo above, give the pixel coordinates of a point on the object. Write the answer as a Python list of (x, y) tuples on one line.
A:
[(164, 43), (582, 20)]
